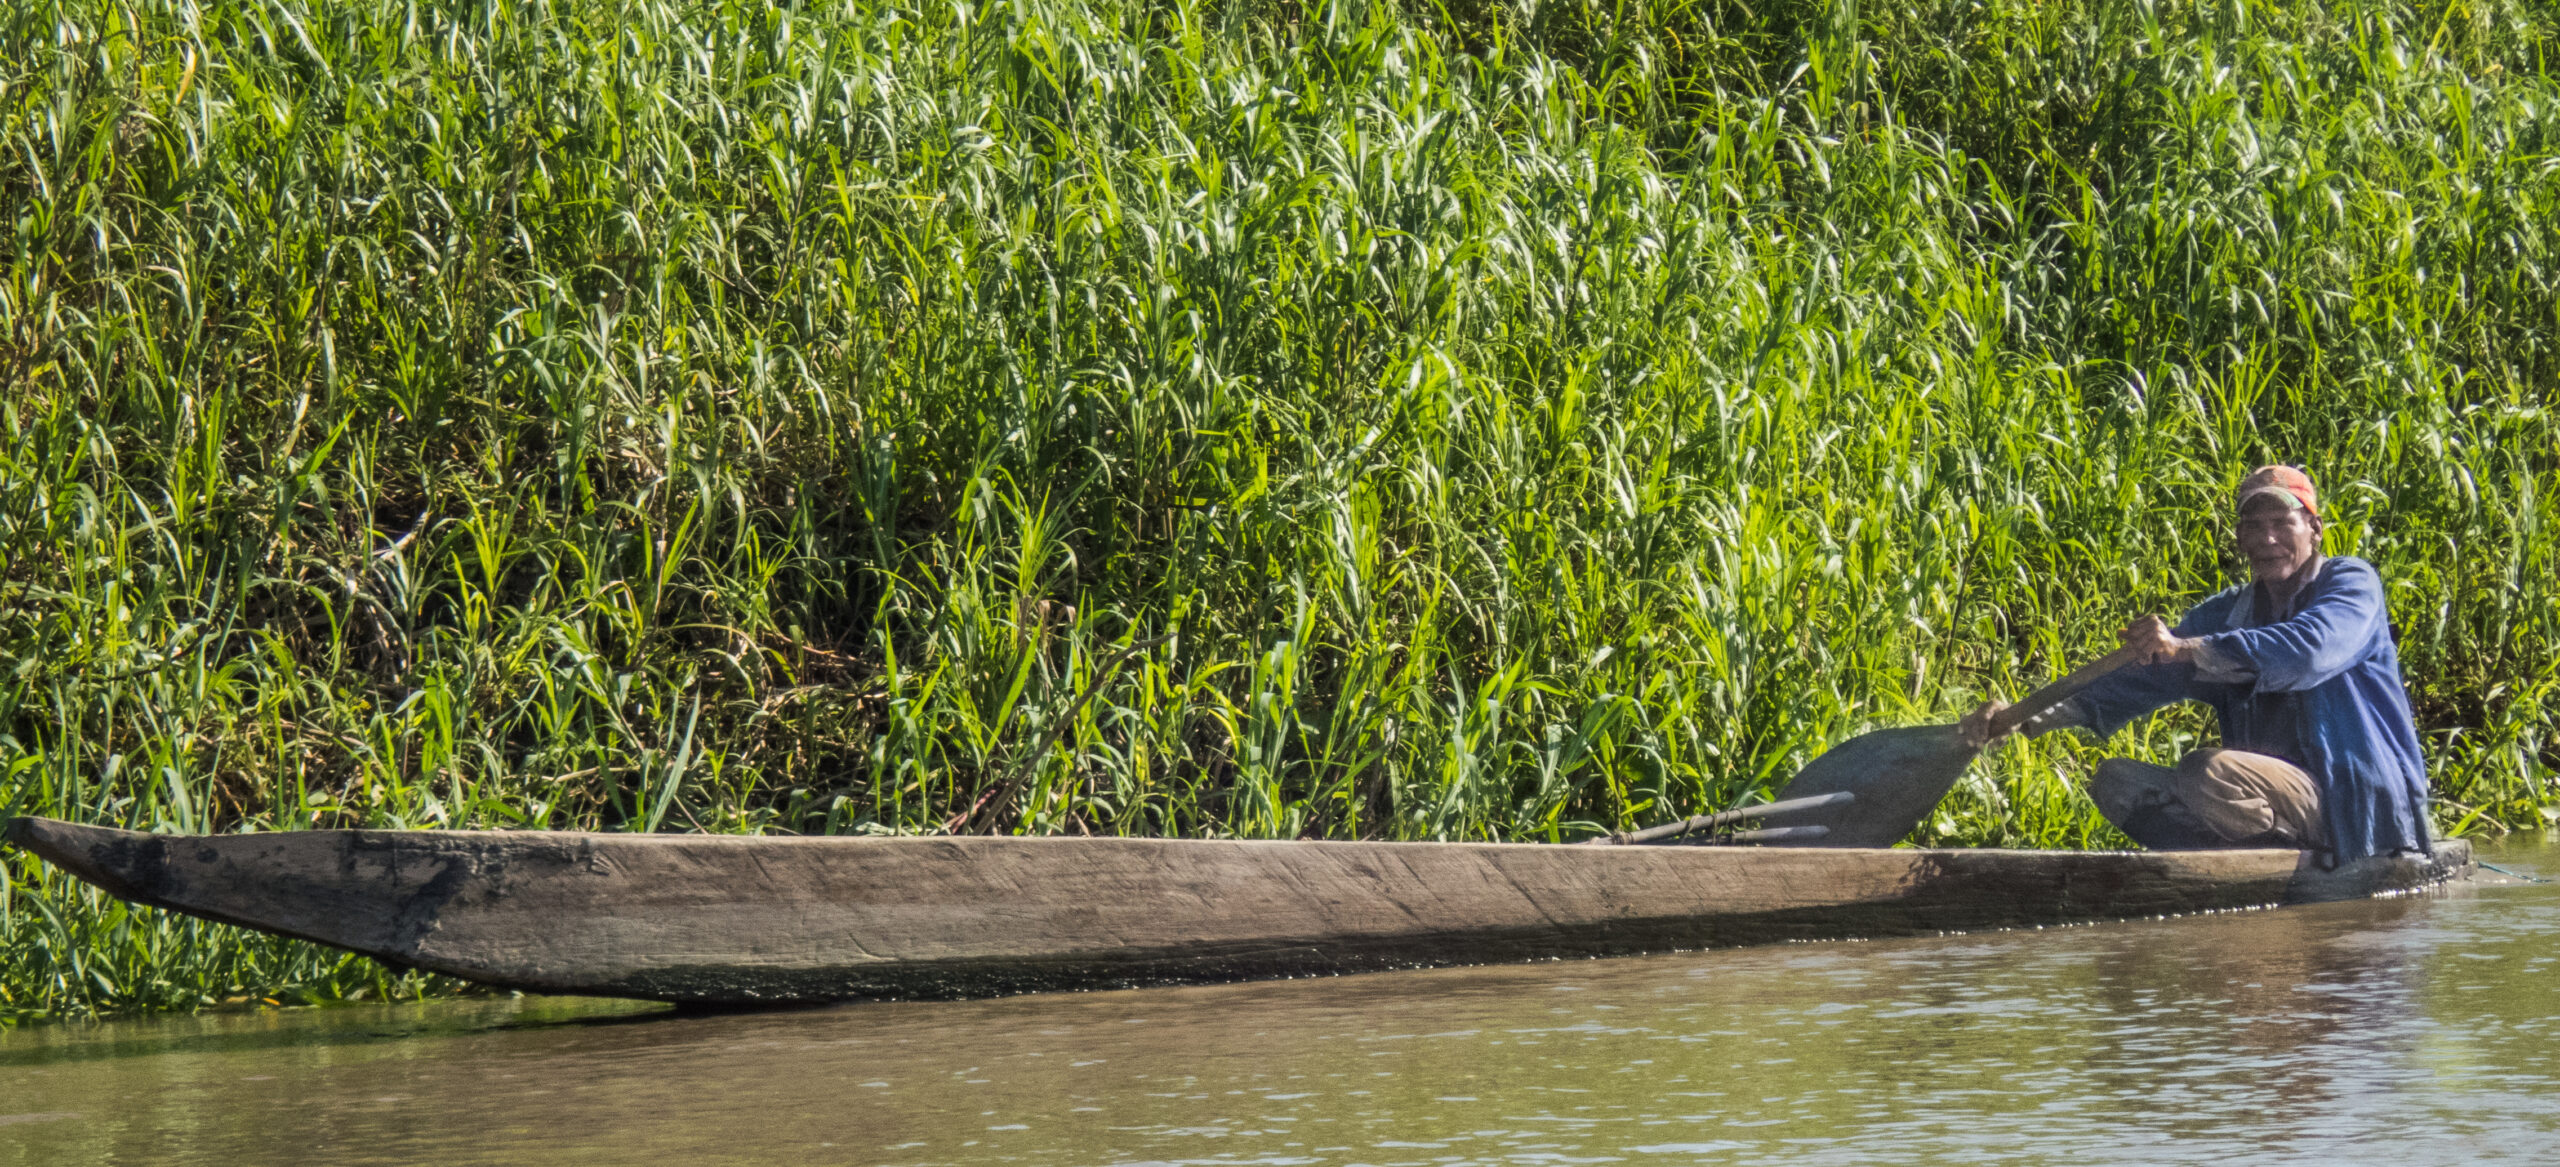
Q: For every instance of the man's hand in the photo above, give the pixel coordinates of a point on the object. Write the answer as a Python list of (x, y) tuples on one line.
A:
[(2150, 635), (1976, 729)]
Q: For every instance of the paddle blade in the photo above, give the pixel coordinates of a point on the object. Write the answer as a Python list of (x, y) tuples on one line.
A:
[(1898, 775)]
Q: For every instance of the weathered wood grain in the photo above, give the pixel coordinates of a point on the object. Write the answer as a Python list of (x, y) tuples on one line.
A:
[(752, 920)]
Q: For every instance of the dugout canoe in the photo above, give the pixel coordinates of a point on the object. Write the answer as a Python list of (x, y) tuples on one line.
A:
[(742, 921)]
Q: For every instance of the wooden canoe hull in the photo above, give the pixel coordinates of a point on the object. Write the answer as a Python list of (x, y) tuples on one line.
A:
[(733, 920)]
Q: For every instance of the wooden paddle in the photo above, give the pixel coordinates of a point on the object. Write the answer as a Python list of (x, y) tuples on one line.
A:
[(1899, 775), (1668, 832)]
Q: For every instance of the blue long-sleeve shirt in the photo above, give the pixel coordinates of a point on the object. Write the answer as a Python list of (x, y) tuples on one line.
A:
[(2319, 687)]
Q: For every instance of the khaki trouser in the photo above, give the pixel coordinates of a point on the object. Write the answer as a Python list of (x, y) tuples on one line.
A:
[(2211, 798)]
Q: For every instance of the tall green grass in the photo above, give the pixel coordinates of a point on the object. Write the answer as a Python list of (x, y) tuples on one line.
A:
[(1273, 418)]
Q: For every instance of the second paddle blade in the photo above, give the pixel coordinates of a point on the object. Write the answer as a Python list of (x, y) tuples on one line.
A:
[(1898, 775)]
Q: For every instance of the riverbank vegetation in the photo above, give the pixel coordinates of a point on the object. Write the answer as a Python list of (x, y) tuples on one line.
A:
[(1275, 418)]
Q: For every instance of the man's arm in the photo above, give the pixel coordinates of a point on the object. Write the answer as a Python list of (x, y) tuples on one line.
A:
[(2166, 679), (2123, 695), (2327, 637)]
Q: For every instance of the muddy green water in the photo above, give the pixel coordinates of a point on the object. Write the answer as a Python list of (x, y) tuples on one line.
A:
[(2420, 1029)]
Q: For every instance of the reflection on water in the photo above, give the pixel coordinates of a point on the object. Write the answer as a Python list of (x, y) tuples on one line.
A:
[(2425, 1027)]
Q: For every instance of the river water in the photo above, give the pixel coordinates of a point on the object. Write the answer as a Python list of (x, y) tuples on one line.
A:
[(2424, 1028)]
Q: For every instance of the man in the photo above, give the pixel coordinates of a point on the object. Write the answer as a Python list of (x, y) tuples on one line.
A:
[(2318, 747)]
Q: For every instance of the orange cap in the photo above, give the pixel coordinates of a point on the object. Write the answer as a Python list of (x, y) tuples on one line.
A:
[(2284, 483)]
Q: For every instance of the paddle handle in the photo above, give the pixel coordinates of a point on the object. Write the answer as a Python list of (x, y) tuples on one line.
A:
[(2008, 720), (1720, 818)]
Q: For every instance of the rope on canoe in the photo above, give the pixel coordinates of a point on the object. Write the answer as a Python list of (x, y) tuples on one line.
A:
[(2517, 874)]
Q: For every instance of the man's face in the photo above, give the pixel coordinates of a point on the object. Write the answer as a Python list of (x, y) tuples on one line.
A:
[(2277, 540)]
